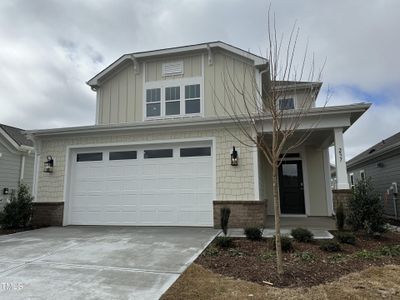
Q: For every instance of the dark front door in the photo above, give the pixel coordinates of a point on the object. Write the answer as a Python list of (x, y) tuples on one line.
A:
[(291, 187)]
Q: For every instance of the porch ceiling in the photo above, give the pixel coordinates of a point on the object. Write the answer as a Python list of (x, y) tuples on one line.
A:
[(318, 138)]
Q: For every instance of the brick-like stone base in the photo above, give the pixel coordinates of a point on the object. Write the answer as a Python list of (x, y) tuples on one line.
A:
[(341, 196), (48, 213), (243, 213)]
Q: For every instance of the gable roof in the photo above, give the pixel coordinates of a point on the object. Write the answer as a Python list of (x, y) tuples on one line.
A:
[(376, 150), (258, 60), (17, 135)]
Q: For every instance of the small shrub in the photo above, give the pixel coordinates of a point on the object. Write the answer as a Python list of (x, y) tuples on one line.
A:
[(302, 235), (365, 209), (253, 233), (18, 212), (393, 250), (286, 243), (267, 255), (305, 256), (346, 237), (211, 251), (336, 258), (225, 213), (234, 252), (340, 217), (366, 254), (330, 246), (224, 241)]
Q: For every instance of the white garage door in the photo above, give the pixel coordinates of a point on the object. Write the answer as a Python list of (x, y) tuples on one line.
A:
[(159, 185)]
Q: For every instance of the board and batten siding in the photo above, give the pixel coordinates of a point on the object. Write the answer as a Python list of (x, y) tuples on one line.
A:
[(382, 178), (120, 97)]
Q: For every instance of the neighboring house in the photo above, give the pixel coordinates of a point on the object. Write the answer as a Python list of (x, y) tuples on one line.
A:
[(16, 161), (381, 163), (160, 151)]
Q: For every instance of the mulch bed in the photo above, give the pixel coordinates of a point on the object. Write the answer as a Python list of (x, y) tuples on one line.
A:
[(255, 261)]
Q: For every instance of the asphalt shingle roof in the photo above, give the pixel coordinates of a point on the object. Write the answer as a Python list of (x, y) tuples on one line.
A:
[(376, 149), (17, 134)]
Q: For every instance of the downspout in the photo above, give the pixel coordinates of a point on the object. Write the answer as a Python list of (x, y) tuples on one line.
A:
[(22, 171)]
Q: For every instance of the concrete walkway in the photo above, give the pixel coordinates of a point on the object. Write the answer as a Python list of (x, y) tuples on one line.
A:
[(94, 262)]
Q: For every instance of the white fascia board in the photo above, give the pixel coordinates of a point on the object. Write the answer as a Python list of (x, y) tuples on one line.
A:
[(339, 111), (258, 60)]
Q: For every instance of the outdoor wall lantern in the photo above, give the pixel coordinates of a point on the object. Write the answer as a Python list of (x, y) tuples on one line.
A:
[(234, 157), (6, 191), (48, 165)]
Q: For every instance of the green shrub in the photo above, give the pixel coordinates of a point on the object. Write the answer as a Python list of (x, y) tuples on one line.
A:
[(365, 209), (267, 255), (340, 217), (393, 250), (18, 212), (286, 243), (225, 213), (346, 237), (305, 256), (366, 254), (224, 241), (211, 251), (302, 235), (330, 246), (253, 233)]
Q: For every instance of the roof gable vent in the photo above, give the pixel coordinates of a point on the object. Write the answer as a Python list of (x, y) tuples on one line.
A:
[(172, 68)]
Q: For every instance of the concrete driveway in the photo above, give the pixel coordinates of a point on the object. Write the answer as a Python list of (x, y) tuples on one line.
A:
[(95, 262)]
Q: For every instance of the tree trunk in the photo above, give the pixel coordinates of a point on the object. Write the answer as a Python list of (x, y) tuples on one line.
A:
[(277, 215)]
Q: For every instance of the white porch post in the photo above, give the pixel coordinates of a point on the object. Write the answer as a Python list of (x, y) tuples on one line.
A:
[(340, 161)]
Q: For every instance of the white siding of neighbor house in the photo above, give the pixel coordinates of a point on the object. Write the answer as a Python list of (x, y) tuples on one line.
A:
[(10, 170), (232, 183), (121, 95)]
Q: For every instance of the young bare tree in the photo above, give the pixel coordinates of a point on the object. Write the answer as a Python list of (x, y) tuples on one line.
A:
[(272, 126)]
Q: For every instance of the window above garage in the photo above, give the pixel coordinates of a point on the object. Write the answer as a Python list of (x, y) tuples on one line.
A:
[(173, 98)]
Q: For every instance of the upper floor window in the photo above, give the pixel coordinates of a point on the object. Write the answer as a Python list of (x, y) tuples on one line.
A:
[(169, 100), (153, 102), (351, 180), (172, 100), (192, 98), (287, 103), (362, 175)]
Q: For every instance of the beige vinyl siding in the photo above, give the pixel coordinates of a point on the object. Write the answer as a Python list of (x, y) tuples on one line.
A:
[(227, 69), (118, 97), (121, 97), (316, 182), (28, 170), (192, 67)]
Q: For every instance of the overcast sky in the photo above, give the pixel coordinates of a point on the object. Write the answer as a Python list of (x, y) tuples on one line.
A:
[(49, 49)]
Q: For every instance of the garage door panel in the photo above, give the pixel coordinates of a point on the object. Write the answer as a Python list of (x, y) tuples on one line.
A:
[(173, 191)]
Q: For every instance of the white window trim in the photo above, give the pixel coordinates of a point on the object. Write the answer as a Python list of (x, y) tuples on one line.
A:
[(181, 82), (362, 172), (351, 176), (288, 97)]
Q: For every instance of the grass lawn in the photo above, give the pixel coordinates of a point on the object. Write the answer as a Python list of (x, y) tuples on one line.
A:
[(373, 283)]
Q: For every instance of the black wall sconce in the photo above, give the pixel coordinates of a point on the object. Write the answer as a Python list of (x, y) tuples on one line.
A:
[(6, 191), (234, 157), (48, 165)]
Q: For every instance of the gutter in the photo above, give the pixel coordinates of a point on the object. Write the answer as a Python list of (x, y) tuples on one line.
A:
[(329, 110)]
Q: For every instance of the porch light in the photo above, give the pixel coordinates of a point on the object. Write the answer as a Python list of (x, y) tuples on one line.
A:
[(48, 165), (234, 157)]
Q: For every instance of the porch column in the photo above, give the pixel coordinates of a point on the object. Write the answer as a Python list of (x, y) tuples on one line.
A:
[(342, 182)]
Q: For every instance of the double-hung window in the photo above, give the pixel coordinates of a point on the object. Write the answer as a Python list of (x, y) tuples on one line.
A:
[(285, 104), (172, 101), (153, 102), (192, 99)]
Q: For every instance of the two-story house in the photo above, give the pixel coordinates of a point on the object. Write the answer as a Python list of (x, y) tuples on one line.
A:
[(160, 151)]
